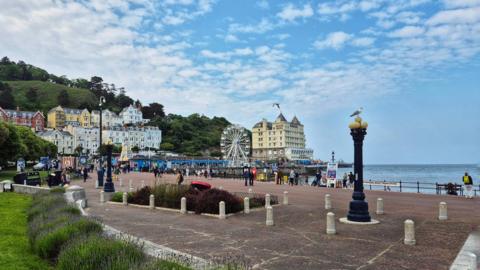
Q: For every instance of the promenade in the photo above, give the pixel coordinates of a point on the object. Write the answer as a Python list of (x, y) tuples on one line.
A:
[(298, 239)]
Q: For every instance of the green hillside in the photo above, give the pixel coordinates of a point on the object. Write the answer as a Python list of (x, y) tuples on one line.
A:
[(47, 95)]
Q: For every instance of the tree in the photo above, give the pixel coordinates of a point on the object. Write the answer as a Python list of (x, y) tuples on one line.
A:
[(63, 98), (153, 110), (78, 150), (167, 146), (6, 98), (123, 101), (135, 149), (32, 94), (96, 85), (11, 147)]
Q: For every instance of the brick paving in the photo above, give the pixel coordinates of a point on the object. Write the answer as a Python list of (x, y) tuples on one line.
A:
[(298, 239)]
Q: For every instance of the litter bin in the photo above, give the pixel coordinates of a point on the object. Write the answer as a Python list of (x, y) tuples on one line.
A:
[(55, 178), (20, 178)]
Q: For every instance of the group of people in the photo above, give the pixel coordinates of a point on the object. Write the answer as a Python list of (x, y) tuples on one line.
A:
[(249, 175)]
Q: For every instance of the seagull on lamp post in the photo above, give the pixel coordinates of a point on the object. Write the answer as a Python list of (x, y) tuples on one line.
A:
[(357, 112)]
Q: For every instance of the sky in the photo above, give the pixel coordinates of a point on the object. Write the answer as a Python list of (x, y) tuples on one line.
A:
[(413, 65)]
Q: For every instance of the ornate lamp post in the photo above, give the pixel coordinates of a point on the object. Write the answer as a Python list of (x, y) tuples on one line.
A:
[(109, 186), (100, 171), (358, 206)]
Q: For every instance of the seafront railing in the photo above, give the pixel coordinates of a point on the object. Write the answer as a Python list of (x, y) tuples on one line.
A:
[(419, 187)]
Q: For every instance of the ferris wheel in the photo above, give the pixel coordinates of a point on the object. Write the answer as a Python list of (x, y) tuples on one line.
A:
[(235, 145)]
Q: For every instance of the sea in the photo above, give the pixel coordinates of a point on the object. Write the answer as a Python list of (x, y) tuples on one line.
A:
[(426, 175)]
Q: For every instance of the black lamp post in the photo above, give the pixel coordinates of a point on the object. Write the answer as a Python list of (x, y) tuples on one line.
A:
[(100, 169), (109, 186), (358, 206)]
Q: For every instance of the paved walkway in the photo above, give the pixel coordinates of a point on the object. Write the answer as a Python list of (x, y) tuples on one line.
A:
[(298, 239)]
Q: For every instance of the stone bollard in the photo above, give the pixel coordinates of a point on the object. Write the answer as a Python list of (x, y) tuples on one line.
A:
[(328, 202), (220, 187), (246, 205), (442, 211), (130, 184), (24, 182), (269, 219), (143, 183), (125, 198), (267, 200), (183, 205), (331, 223), (221, 208), (152, 201), (285, 198), (379, 206), (409, 232), (102, 196), (250, 191), (121, 182)]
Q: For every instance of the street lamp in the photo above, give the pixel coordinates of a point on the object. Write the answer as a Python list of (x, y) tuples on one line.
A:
[(358, 211), (100, 169), (109, 186)]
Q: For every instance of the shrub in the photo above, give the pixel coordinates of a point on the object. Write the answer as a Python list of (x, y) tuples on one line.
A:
[(96, 252), (141, 196), (169, 195), (48, 244), (208, 201), (117, 197), (192, 198)]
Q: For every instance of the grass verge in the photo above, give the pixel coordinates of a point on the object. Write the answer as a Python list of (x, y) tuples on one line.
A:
[(14, 248)]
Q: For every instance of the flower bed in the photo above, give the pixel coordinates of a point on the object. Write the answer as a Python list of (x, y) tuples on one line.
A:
[(57, 232), (169, 196)]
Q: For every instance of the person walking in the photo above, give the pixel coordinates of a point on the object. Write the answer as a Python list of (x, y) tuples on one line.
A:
[(291, 177), (296, 178), (179, 177), (351, 179), (85, 174), (252, 177), (246, 175), (344, 180), (468, 182)]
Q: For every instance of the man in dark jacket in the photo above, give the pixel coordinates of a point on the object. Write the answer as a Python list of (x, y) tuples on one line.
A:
[(85, 174)]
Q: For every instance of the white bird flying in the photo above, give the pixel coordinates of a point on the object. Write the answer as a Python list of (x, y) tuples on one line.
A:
[(357, 112), (276, 105)]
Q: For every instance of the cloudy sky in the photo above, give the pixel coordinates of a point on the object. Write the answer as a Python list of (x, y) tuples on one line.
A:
[(413, 65)]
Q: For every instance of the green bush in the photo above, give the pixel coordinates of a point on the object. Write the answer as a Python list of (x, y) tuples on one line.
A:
[(48, 244), (118, 197), (98, 253)]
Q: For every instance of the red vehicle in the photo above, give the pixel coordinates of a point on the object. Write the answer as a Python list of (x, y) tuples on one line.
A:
[(201, 185)]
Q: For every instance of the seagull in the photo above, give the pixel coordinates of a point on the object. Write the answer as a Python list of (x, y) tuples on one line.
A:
[(357, 112), (277, 105)]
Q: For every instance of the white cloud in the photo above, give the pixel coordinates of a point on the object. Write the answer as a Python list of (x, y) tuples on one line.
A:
[(231, 38), (407, 32), (335, 40), (291, 13), (466, 15), (263, 26), (461, 3), (363, 42)]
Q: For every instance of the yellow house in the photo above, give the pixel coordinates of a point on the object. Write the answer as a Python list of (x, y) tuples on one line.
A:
[(56, 118), (85, 118), (72, 116)]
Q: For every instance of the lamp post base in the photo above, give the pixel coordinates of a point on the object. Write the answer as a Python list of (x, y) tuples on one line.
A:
[(358, 208), (109, 186)]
